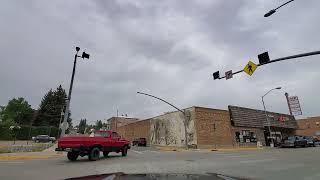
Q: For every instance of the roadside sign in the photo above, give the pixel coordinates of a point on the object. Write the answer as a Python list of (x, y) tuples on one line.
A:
[(250, 68), (228, 74), (294, 105)]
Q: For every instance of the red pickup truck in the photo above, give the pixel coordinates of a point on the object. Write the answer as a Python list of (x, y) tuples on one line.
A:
[(105, 141)]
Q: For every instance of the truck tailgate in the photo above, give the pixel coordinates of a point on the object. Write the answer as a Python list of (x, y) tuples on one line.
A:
[(73, 141)]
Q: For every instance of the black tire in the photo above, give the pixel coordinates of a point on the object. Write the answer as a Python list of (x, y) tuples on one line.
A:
[(105, 153), (72, 156), (124, 151), (94, 154)]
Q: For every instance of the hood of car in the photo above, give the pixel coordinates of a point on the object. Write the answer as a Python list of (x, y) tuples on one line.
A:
[(123, 176)]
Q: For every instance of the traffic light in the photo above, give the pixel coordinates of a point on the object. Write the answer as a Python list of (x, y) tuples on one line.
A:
[(85, 55), (264, 58), (216, 75)]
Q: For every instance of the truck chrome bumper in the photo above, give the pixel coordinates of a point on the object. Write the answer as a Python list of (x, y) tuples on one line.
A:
[(59, 149)]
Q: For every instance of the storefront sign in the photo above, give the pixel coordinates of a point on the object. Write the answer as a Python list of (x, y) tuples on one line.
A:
[(294, 105), (283, 119)]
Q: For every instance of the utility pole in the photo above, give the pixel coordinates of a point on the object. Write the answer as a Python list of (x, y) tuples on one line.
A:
[(287, 97), (265, 112), (66, 113), (185, 115)]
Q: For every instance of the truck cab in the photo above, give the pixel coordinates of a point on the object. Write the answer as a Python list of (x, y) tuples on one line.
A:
[(91, 146)]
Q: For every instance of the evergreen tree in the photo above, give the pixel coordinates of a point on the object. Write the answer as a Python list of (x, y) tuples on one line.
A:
[(50, 108), (98, 125), (82, 126)]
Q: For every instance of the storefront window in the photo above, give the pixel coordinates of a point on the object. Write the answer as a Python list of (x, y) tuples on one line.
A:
[(245, 136)]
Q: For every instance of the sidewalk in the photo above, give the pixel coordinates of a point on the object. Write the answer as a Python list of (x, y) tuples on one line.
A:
[(182, 149), (45, 154)]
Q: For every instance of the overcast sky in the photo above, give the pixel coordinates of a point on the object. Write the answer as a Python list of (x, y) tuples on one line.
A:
[(167, 48)]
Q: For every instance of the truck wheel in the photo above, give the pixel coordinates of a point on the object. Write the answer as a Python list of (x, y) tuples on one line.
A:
[(105, 153), (72, 156), (124, 151), (94, 154)]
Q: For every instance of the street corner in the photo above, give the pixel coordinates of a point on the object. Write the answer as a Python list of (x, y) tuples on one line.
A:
[(169, 149), (236, 149)]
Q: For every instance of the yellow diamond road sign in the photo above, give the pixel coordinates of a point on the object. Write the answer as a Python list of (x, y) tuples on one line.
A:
[(250, 68)]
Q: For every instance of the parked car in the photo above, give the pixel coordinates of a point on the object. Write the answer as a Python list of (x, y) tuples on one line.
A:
[(91, 146), (43, 138), (294, 141), (310, 141), (139, 142)]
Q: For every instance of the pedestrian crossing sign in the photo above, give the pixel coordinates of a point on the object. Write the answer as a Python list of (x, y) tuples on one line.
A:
[(250, 68)]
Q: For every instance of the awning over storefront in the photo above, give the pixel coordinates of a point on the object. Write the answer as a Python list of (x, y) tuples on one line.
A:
[(245, 117)]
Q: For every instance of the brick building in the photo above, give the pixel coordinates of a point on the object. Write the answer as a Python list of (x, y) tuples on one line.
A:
[(115, 122), (207, 127), (309, 126), (251, 125)]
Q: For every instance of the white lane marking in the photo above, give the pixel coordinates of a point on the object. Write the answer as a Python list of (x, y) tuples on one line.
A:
[(138, 152), (154, 151), (257, 161), (240, 156), (11, 162)]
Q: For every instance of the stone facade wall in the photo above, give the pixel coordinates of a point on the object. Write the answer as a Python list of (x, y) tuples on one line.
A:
[(168, 129)]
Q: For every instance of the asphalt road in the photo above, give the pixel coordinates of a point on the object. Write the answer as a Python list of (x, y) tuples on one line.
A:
[(300, 163)]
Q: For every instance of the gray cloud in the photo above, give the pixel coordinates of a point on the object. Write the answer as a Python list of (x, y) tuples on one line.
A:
[(167, 48)]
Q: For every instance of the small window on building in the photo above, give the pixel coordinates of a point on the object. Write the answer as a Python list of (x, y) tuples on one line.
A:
[(318, 123), (246, 136), (238, 136)]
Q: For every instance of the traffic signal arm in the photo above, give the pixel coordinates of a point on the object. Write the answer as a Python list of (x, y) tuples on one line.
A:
[(282, 59)]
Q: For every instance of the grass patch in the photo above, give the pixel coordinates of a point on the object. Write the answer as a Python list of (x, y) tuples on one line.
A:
[(4, 150)]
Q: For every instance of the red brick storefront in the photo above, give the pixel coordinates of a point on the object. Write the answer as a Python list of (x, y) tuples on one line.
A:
[(207, 127), (309, 126)]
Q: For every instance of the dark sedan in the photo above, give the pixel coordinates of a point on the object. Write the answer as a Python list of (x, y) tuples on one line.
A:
[(311, 141), (294, 141), (140, 142), (43, 138)]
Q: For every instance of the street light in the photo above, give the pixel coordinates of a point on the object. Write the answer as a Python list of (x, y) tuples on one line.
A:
[(265, 112), (183, 112), (274, 10), (66, 113)]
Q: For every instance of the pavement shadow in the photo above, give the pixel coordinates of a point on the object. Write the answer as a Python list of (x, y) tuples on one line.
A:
[(86, 160)]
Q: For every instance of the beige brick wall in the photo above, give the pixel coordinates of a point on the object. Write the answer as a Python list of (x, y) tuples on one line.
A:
[(309, 126), (139, 129), (206, 119)]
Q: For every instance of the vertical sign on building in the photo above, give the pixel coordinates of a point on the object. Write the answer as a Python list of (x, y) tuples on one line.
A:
[(294, 105)]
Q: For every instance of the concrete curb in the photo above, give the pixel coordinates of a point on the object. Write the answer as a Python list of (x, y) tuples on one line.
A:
[(174, 149), (28, 156)]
